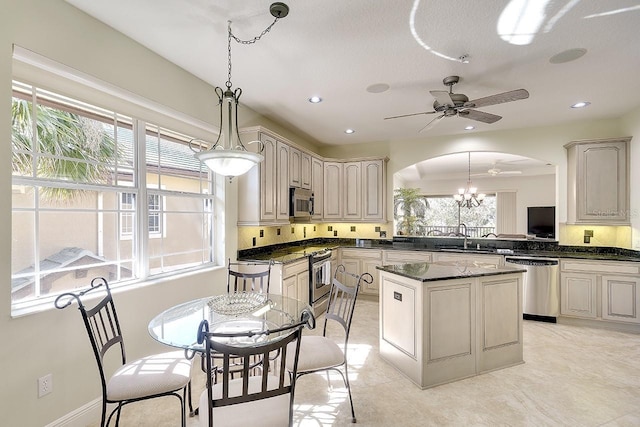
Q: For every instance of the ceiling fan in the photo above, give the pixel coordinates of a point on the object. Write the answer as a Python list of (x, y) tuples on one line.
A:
[(494, 170), (450, 104)]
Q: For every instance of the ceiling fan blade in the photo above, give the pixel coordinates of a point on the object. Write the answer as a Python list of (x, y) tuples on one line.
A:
[(442, 97), (409, 115), (480, 116), (499, 98), (510, 172), (431, 123)]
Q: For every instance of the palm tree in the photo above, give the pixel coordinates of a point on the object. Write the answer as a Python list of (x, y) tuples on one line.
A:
[(71, 147), (409, 210)]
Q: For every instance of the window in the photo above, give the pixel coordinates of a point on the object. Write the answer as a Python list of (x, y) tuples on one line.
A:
[(79, 174), (443, 216)]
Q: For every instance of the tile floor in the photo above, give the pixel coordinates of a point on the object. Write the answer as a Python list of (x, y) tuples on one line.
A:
[(572, 376)]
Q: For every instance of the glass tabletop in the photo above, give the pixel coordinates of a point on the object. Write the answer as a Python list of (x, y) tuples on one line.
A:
[(239, 319)]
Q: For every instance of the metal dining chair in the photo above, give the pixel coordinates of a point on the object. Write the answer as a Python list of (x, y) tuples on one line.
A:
[(262, 399), (322, 353), (166, 374)]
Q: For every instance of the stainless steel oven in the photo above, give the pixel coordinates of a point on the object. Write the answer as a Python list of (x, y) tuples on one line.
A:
[(319, 280)]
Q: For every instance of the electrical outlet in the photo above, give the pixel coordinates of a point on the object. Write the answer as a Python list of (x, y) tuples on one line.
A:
[(45, 385)]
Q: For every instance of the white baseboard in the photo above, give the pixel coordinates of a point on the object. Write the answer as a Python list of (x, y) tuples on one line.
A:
[(81, 417)]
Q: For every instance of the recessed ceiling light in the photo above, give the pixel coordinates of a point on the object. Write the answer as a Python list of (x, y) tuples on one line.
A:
[(315, 99), (349, 131), (581, 104), (469, 127)]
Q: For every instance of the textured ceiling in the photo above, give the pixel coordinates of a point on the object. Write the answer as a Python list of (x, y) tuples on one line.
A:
[(336, 49)]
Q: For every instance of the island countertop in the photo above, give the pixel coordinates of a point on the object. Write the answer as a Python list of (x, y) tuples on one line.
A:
[(446, 270)]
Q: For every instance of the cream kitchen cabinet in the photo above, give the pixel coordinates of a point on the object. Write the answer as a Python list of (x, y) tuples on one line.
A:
[(360, 261), (354, 191), (282, 181), (598, 181), (295, 280), (621, 298), (332, 208), (258, 192), (607, 291), (305, 171), (317, 186), (373, 190), (295, 167), (578, 295)]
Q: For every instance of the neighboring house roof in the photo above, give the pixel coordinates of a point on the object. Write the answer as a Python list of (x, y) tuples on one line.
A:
[(174, 155), (67, 257)]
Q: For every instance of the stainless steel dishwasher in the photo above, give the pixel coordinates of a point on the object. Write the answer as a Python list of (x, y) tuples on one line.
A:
[(541, 293)]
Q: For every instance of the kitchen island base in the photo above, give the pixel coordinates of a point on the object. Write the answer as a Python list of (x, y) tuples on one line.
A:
[(443, 330)]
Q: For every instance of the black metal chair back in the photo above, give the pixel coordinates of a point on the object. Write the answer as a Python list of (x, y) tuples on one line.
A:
[(251, 276), (342, 300), (103, 329), (267, 367)]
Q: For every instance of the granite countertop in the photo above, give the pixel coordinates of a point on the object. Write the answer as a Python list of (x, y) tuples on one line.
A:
[(447, 270), (287, 253)]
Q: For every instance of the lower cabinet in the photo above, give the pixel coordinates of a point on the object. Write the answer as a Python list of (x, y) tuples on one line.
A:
[(600, 290), (295, 280), (360, 261), (578, 296), (620, 298)]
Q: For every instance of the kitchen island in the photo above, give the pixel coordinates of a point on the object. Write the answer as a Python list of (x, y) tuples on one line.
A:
[(444, 321)]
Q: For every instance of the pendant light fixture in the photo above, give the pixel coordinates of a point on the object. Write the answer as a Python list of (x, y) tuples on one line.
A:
[(468, 197), (230, 157)]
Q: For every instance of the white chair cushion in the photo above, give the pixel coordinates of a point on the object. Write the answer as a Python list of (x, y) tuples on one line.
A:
[(156, 374), (316, 352), (273, 411)]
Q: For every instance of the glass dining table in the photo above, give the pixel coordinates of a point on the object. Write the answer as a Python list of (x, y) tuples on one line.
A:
[(240, 319)]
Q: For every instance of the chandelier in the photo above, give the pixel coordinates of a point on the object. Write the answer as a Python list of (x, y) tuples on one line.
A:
[(468, 197), (230, 157)]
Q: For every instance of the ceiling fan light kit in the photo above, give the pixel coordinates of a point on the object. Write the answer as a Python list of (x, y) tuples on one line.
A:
[(231, 158), (450, 104)]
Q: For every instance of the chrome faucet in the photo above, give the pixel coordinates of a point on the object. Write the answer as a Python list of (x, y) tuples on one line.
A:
[(465, 233)]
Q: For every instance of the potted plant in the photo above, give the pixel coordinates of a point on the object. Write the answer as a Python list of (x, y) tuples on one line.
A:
[(409, 209)]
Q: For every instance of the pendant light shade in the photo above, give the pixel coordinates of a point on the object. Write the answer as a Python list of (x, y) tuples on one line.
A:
[(230, 157)]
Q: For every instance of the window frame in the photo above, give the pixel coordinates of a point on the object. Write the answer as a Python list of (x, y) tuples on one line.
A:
[(42, 302)]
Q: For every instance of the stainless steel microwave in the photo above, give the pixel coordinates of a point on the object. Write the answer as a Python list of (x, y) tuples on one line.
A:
[(301, 204)]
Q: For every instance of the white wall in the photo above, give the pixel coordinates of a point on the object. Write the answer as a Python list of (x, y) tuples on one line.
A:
[(530, 191)]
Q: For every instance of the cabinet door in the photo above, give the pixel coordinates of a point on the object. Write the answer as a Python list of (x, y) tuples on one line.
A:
[(303, 286), (578, 295), (621, 298), (282, 177), (352, 205), (317, 186), (268, 179), (295, 167), (305, 171), (332, 190), (369, 266), (373, 190), (598, 177), (290, 287)]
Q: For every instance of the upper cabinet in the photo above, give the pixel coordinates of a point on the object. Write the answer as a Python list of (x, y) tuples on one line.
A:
[(263, 192), (343, 190), (317, 186), (598, 181), (354, 190)]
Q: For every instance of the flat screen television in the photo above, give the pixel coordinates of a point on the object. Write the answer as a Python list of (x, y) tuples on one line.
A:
[(541, 221)]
